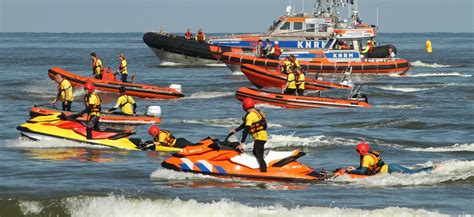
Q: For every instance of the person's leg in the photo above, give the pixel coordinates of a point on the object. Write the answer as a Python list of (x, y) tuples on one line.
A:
[(68, 107), (182, 142), (64, 106), (93, 124), (300, 92), (124, 78), (397, 168), (258, 151)]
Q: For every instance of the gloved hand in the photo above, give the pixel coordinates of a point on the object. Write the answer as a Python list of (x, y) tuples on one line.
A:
[(240, 147)]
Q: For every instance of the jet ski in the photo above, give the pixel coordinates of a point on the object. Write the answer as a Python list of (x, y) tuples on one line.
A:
[(212, 157), (58, 127)]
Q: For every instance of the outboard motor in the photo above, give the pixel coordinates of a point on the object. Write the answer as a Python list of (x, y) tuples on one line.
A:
[(381, 51), (177, 87), (154, 111)]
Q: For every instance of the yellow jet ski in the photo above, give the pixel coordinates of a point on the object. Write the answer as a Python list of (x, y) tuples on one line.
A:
[(57, 126)]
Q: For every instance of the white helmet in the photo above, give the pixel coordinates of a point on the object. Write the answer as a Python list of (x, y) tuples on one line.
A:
[(276, 42)]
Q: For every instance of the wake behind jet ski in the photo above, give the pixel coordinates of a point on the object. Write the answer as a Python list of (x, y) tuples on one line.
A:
[(213, 157)]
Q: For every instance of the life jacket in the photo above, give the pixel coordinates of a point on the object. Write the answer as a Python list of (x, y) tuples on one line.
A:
[(123, 67), (96, 108), (169, 140), (277, 50), (286, 66), (378, 162), (125, 103), (291, 83), (97, 66), (188, 35), (200, 36), (259, 125), (300, 81), (371, 45)]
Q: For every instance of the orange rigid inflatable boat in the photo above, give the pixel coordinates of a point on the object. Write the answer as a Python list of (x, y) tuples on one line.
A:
[(261, 77), (395, 66), (104, 118), (211, 157), (110, 84), (293, 101)]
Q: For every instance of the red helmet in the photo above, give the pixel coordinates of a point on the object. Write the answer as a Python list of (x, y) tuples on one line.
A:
[(89, 86), (154, 130), (362, 148), (248, 103)]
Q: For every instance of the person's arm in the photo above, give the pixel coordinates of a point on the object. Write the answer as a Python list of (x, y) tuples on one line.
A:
[(134, 108), (360, 170), (117, 105), (245, 134)]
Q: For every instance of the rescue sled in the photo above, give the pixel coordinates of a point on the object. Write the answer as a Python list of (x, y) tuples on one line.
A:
[(110, 84), (212, 157), (294, 101), (261, 77)]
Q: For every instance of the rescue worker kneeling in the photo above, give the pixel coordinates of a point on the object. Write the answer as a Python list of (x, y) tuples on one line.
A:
[(126, 104), (290, 86), (92, 108), (371, 163), (164, 138), (254, 122)]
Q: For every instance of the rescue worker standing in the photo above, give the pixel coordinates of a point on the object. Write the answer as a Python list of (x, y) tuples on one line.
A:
[(123, 67), (200, 36), (259, 49), (290, 86), (96, 66), (368, 49), (164, 138), (268, 48), (285, 69), (64, 92), (371, 163), (300, 81), (188, 35), (125, 102), (92, 108), (254, 122), (295, 62)]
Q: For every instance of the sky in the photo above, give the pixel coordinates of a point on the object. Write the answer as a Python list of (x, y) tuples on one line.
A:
[(218, 16)]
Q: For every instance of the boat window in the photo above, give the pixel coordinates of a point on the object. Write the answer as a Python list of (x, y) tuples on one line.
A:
[(285, 26), (297, 26), (323, 28), (310, 27)]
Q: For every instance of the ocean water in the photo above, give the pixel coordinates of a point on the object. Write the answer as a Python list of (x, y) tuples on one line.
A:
[(421, 119)]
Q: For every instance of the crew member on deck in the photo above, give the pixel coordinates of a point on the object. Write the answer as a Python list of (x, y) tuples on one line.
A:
[(290, 86), (275, 52), (268, 48), (164, 138), (259, 49), (123, 67), (125, 102), (200, 36), (371, 163), (285, 68), (300, 81), (96, 66), (64, 92), (368, 49), (188, 35), (254, 122)]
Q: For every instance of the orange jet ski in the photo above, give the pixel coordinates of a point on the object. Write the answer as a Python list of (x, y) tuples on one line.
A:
[(262, 77), (108, 83), (294, 101), (104, 118), (212, 157)]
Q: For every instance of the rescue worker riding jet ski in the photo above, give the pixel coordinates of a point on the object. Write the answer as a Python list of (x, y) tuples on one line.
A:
[(213, 157)]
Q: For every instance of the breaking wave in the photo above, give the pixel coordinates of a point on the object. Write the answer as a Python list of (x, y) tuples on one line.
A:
[(209, 95), (453, 148), (405, 89), (279, 141), (123, 206), (453, 170), (441, 74), (399, 106), (56, 143), (418, 63)]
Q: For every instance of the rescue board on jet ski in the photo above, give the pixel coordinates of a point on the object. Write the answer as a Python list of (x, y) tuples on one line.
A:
[(262, 77), (294, 101), (211, 158), (395, 66), (49, 128), (343, 172), (104, 118), (113, 85)]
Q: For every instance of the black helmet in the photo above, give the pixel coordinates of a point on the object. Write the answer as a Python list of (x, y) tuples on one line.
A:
[(122, 89)]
